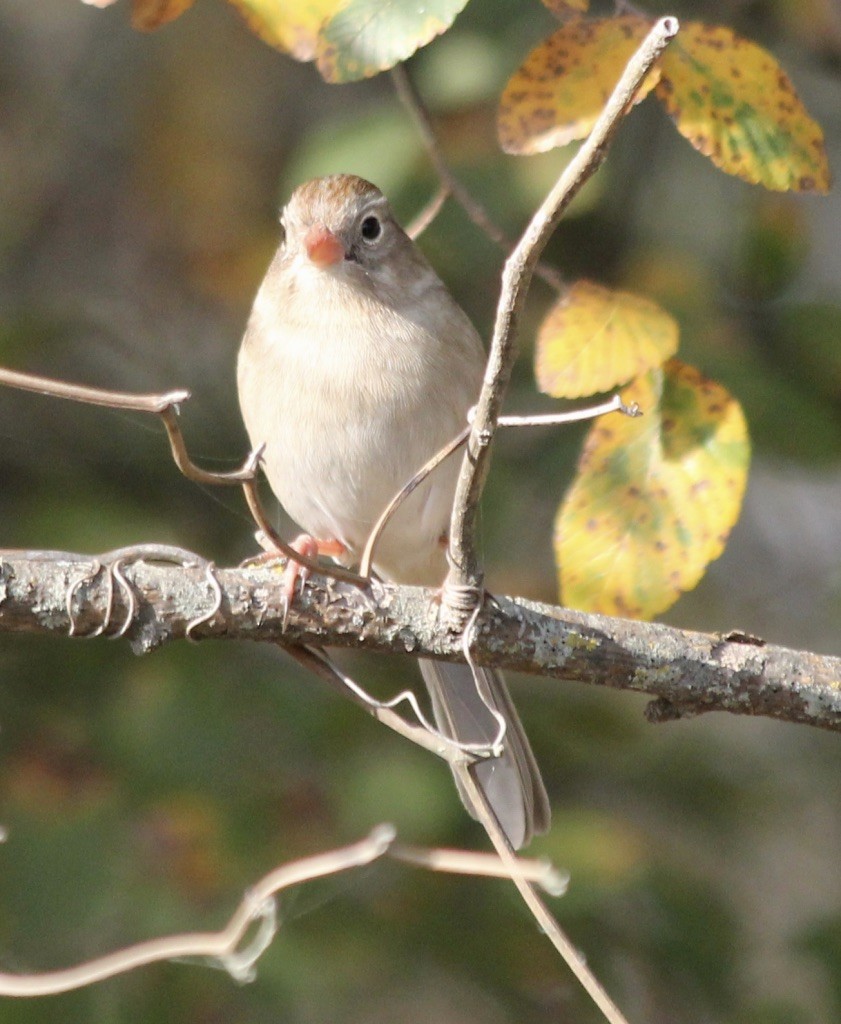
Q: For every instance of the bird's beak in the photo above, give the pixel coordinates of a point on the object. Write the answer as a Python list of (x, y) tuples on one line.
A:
[(323, 247)]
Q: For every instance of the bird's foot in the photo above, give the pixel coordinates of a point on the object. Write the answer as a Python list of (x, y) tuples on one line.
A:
[(305, 545)]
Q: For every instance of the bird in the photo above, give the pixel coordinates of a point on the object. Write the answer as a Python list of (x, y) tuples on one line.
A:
[(357, 365)]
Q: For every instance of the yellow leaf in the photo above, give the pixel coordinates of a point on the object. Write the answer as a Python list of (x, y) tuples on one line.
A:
[(559, 91), (655, 497), (594, 339), (147, 15), (735, 104), (291, 26)]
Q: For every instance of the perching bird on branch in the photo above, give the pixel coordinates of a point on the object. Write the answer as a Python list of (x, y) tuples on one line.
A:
[(356, 367)]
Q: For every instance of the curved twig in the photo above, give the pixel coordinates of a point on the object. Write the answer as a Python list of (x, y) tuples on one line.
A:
[(550, 927), (155, 403), (552, 419), (219, 946), (258, 906), (427, 215)]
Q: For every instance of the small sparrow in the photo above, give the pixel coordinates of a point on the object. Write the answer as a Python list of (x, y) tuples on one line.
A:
[(356, 367)]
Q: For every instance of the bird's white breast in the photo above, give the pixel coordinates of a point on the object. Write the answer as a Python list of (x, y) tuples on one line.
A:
[(350, 407)]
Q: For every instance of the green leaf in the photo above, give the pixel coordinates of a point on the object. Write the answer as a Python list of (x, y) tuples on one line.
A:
[(369, 36)]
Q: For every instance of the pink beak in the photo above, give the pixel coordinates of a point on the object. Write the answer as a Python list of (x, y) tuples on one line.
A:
[(323, 247)]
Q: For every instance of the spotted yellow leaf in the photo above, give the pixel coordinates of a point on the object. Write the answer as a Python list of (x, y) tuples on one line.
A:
[(368, 36), (291, 26), (594, 339), (560, 89), (735, 104), (655, 497)]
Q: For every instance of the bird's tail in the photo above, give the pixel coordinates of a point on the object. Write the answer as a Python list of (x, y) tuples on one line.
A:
[(511, 782)]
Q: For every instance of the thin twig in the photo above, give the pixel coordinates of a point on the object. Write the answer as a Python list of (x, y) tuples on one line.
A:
[(178, 446), (463, 862), (91, 396), (321, 666), (165, 406), (258, 906), (410, 98), (538, 908), (556, 419), (279, 545), (403, 493), (615, 404), (221, 946), (424, 735), (464, 564), (483, 810), (428, 214)]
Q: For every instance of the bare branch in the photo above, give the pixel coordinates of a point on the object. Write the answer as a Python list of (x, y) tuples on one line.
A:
[(556, 419), (275, 545), (465, 569), (258, 907), (166, 406), (91, 396), (550, 927), (686, 672), (403, 493), (221, 946), (178, 447), (424, 734), (463, 862)]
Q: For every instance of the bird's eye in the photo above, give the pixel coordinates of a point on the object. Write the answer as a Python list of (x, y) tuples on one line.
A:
[(371, 229)]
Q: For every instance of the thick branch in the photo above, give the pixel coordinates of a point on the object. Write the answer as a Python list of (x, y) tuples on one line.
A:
[(687, 672)]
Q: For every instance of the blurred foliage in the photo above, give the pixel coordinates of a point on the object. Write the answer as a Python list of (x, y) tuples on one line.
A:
[(140, 177)]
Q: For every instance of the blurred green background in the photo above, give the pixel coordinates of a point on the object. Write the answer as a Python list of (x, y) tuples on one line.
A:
[(140, 178)]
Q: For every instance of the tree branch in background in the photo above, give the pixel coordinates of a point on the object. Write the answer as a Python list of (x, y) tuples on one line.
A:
[(538, 909)]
